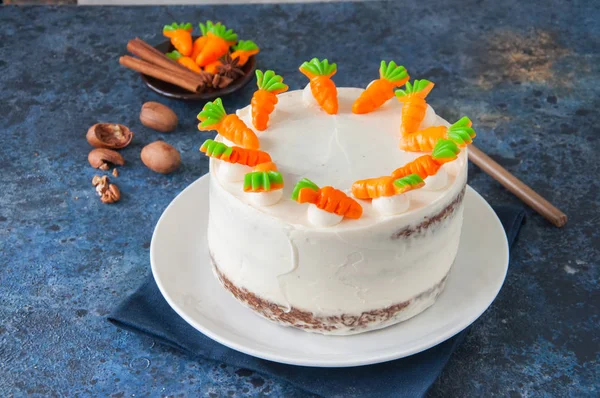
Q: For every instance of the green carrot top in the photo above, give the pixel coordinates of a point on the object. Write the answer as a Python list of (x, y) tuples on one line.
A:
[(263, 180), (245, 45), (392, 72), (212, 113), (174, 55), (207, 27), (445, 149), (219, 30), (418, 86), (461, 132), (303, 183), (408, 181), (176, 26), (269, 81), (319, 68), (216, 149)]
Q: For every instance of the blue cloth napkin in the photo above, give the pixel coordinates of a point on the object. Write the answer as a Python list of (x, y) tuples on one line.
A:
[(146, 312)]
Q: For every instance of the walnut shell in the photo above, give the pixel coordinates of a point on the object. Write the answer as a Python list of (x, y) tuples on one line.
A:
[(99, 158), (158, 117), (109, 135), (161, 157)]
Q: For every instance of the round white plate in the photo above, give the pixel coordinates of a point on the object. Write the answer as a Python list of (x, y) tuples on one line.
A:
[(182, 269)]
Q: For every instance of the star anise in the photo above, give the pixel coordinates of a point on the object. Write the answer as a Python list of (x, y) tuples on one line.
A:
[(229, 67)]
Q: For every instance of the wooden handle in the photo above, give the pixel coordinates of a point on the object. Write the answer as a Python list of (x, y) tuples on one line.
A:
[(516, 186)]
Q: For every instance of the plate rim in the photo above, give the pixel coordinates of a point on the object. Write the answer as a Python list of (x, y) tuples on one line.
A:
[(335, 362)]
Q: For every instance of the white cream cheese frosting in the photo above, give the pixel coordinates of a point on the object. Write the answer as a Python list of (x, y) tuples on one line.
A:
[(277, 253)]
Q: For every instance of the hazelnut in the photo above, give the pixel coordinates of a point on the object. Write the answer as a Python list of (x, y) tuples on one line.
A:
[(109, 135), (158, 117), (100, 157), (161, 157)]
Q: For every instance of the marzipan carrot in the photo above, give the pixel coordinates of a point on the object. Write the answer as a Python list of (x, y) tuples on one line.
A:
[(424, 140), (201, 41), (213, 117), (183, 60), (265, 98), (213, 67), (373, 188), (321, 85), (243, 50), (327, 198), (382, 89), (218, 41), (427, 165), (236, 154), (413, 104), (181, 36), (263, 181)]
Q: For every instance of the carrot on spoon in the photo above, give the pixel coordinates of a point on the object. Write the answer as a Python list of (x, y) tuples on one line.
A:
[(427, 165), (424, 140), (213, 67), (322, 87), (217, 44), (327, 198), (183, 60), (265, 98), (200, 42), (373, 188), (181, 36), (214, 117), (382, 89), (243, 50), (236, 154), (414, 105)]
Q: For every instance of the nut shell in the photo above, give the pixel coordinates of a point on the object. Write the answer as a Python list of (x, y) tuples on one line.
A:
[(99, 158), (161, 157), (158, 117), (109, 135)]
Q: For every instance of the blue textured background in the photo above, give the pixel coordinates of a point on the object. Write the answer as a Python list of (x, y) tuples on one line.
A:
[(526, 73)]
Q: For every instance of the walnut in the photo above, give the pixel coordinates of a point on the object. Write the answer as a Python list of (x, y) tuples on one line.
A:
[(109, 193)]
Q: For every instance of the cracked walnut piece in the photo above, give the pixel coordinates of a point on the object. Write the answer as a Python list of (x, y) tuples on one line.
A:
[(109, 193)]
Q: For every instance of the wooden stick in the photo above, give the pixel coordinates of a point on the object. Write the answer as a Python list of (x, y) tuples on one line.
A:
[(516, 186), (160, 73)]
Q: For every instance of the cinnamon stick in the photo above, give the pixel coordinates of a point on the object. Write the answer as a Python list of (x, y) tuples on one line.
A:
[(161, 73), (150, 54)]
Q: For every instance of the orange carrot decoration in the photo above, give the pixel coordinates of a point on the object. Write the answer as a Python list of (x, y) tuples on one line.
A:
[(321, 85), (424, 140), (373, 188), (213, 117), (243, 50), (200, 42), (265, 98), (427, 165), (218, 41), (243, 156), (181, 36), (213, 67), (183, 60), (414, 106), (263, 178), (327, 198), (382, 89)]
